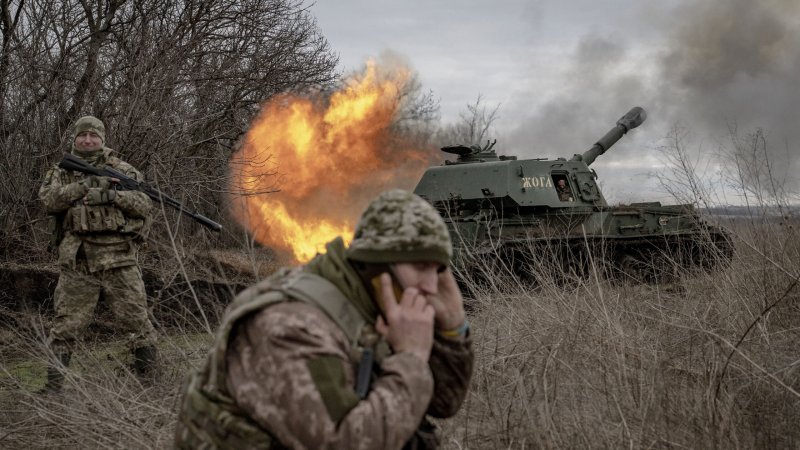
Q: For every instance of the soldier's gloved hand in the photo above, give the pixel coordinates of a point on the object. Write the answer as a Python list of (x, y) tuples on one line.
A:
[(94, 181), (75, 191), (99, 196)]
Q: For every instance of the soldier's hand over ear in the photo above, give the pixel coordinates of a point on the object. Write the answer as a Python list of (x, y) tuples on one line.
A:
[(408, 326), (448, 302)]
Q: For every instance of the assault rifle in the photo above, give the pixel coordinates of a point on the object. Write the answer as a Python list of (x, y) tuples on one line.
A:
[(126, 183)]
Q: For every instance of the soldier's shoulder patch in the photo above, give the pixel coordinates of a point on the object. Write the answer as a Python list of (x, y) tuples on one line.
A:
[(328, 375)]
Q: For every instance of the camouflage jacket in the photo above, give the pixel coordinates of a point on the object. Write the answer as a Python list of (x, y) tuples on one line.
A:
[(290, 370), (105, 236), (564, 194)]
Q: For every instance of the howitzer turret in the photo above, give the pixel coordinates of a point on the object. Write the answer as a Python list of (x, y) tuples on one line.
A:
[(518, 210)]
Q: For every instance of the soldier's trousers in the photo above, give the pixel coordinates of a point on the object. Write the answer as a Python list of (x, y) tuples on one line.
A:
[(76, 297)]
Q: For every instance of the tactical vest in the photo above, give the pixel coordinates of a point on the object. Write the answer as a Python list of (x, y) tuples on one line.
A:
[(85, 219), (209, 418)]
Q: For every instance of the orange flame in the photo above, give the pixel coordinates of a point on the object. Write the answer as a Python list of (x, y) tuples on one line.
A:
[(328, 156)]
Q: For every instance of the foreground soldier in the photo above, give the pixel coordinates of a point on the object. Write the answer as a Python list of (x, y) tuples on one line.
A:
[(350, 351), (98, 233)]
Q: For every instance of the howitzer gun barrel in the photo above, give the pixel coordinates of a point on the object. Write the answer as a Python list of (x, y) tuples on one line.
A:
[(629, 121)]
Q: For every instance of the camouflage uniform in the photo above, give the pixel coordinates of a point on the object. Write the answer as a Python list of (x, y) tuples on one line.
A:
[(97, 252), (286, 360), (564, 194)]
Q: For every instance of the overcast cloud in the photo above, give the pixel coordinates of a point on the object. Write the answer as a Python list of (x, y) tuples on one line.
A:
[(565, 71)]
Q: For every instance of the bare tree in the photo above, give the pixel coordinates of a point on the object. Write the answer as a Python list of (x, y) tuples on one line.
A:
[(683, 176), (176, 82), (752, 172), (417, 120), (742, 171), (474, 125)]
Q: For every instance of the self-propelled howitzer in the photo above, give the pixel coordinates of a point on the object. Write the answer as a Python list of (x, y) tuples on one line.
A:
[(536, 215)]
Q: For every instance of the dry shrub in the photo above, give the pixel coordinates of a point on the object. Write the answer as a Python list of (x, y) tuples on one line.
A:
[(599, 363), (706, 360), (588, 363), (103, 404)]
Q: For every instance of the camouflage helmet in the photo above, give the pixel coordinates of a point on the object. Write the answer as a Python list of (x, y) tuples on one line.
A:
[(90, 123), (399, 226)]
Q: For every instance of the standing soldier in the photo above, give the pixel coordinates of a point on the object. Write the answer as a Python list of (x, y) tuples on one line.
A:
[(98, 231), (352, 350)]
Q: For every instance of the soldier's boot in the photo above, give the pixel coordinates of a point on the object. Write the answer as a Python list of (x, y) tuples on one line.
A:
[(55, 374), (144, 359)]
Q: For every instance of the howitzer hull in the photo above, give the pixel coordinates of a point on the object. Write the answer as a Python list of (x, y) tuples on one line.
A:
[(649, 244)]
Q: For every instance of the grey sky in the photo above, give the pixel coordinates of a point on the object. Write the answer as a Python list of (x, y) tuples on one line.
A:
[(565, 71)]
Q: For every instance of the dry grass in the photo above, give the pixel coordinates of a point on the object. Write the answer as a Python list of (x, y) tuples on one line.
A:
[(610, 365), (103, 404), (708, 361)]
